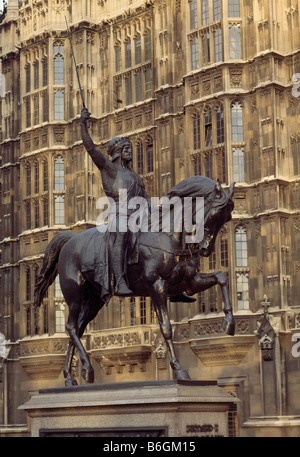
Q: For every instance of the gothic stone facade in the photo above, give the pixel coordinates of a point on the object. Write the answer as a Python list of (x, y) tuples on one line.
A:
[(201, 87)]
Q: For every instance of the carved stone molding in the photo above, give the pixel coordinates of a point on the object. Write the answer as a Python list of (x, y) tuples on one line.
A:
[(123, 348), (222, 350), (133, 358), (211, 345), (47, 367), (43, 357)]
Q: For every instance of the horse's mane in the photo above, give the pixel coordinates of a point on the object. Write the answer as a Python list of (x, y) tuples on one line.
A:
[(201, 186)]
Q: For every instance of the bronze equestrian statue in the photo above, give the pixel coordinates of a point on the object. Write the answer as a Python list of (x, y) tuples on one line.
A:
[(117, 174), (157, 265)]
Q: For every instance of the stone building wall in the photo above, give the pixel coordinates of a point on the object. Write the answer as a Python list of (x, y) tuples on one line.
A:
[(200, 87)]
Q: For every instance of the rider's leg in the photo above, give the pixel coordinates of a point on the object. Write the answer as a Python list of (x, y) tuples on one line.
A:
[(119, 265)]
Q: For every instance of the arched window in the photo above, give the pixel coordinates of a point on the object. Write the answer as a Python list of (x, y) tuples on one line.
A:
[(128, 53), (28, 284), (36, 109), (208, 127), (132, 311), (149, 155), (217, 6), (58, 51), (36, 177), (138, 86), (238, 159), (28, 215), (45, 71), (148, 46), (242, 278), (143, 310), (45, 317), (28, 111), (206, 48), (45, 212), (28, 320), (237, 123), (241, 249), (36, 308), (57, 288), (27, 76), (208, 164), (118, 57), (234, 8), (140, 158), (242, 287), (28, 179), (45, 175), (224, 251), (235, 49), (193, 14), (59, 104), (36, 73), (138, 49), (128, 88), (148, 82), (195, 52), (59, 209), (36, 213), (60, 320), (220, 124), (196, 130), (218, 45), (205, 12), (59, 173)]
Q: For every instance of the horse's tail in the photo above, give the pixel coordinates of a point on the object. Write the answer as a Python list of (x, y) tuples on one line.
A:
[(50, 269)]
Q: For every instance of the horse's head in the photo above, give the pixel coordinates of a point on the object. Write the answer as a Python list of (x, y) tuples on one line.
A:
[(217, 213), (218, 206)]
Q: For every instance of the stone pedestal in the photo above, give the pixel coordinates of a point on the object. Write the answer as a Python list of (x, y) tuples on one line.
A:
[(159, 408)]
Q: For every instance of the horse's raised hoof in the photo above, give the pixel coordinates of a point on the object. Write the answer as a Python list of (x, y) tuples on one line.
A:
[(88, 375), (182, 375), (70, 381), (228, 326)]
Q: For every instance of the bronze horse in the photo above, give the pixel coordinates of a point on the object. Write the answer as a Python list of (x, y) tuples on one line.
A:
[(164, 267)]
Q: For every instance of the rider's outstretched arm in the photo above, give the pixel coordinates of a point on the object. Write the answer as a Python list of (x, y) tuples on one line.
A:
[(97, 156)]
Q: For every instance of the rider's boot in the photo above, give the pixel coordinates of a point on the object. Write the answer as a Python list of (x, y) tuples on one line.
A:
[(183, 297), (119, 267)]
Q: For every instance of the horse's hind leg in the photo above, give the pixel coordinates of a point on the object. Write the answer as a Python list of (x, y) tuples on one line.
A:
[(91, 306), (74, 296), (70, 380), (159, 297), (72, 328)]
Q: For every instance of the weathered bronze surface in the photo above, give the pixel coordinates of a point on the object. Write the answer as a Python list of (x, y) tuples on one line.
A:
[(94, 266)]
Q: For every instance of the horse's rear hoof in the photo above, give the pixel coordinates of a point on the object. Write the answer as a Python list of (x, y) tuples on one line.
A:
[(228, 327), (88, 375), (182, 375), (70, 381)]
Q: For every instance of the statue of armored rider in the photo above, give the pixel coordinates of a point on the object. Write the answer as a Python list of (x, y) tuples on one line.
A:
[(117, 173)]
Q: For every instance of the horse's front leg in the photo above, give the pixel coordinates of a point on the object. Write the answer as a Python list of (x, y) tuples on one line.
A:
[(228, 324), (159, 296)]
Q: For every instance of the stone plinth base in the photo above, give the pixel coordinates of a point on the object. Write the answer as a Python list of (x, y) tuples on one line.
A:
[(159, 408)]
